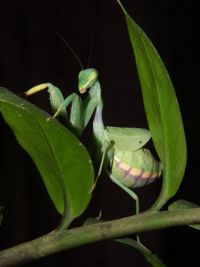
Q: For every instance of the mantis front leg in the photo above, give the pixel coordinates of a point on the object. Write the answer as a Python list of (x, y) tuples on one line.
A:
[(76, 122), (59, 105), (81, 111), (55, 96)]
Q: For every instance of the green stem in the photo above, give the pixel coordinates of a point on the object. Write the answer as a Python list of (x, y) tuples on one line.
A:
[(63, 240)]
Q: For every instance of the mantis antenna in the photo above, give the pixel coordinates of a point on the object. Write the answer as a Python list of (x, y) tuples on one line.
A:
[(90, 51), (69, 46)]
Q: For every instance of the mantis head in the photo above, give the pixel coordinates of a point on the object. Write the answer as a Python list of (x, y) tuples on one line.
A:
[(86, 79)]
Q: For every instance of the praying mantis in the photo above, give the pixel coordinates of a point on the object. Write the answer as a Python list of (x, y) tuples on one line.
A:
[(119, 150)]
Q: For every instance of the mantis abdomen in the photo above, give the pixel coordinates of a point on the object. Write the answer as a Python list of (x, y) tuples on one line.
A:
[(135, 168)]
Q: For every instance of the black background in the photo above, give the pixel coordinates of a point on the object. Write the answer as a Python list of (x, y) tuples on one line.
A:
[(31, 53)]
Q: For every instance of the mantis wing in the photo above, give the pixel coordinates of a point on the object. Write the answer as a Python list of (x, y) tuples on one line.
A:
[(128, 139)]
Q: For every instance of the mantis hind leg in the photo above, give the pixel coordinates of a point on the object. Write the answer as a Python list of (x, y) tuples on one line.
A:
[(127, 190), (131, 194)]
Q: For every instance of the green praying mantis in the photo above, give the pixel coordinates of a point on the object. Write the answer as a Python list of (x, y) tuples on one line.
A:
[(120, 151)]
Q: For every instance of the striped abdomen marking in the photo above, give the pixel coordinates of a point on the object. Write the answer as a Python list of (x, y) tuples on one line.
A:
[(134, 176)]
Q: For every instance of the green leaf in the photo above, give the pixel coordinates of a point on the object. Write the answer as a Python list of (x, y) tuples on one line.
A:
[(153, 259), (184, 204), (61, 159), (162, 110)]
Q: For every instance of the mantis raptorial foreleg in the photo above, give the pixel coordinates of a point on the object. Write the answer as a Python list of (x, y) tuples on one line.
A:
[(55, 96), (81, 111)]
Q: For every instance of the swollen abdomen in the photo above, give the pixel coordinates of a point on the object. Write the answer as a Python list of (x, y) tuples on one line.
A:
[(135, 169)]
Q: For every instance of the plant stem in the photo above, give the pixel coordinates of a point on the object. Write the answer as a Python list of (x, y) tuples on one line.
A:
[(60, 240), (160, 201)]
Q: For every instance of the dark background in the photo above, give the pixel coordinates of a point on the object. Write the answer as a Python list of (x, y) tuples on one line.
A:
[(31, 53)]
